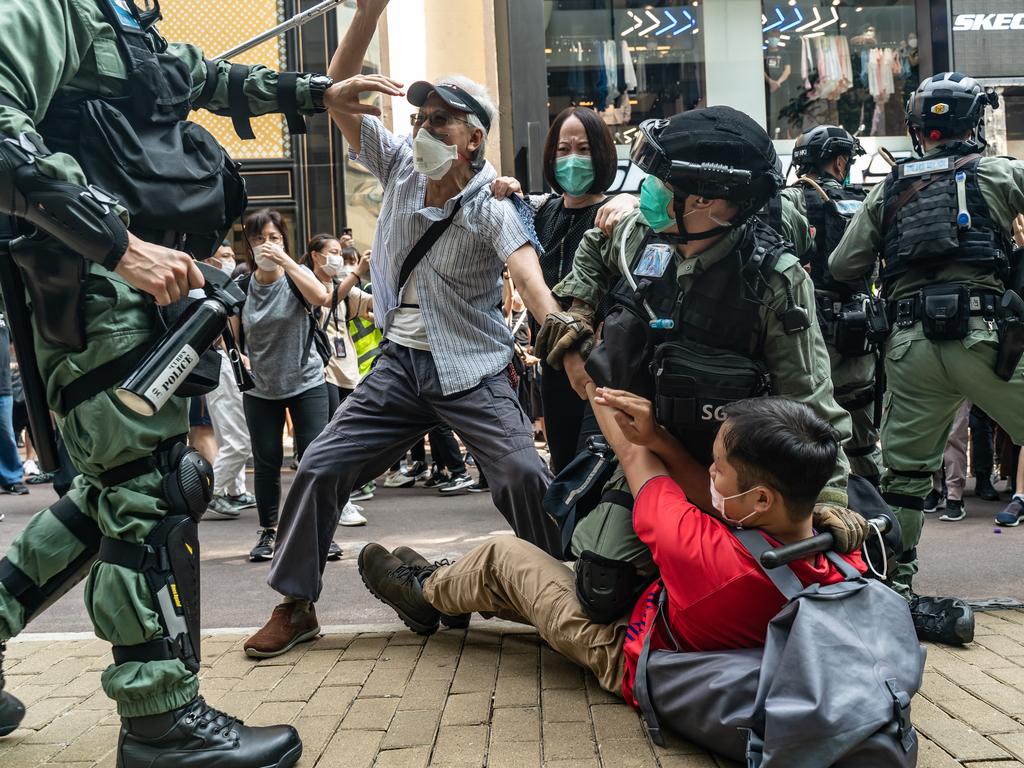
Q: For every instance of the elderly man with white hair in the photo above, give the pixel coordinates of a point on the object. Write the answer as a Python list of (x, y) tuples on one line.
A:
[(441, 244)]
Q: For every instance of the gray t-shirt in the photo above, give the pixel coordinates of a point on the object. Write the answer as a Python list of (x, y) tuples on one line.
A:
[(276, 331)]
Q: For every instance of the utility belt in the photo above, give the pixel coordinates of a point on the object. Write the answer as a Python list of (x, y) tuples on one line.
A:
[(693, 387), (945, 310), (855, 326)]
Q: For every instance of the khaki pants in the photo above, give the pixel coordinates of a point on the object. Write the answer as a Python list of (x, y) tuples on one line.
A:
[(515, 580)]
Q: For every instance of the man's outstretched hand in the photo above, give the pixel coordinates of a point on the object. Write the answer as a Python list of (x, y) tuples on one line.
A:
[(163, 273), (343, 97)]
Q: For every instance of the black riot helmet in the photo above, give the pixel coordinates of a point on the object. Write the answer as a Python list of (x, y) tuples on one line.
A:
[(822, 144), (716, 153), (946, 106)]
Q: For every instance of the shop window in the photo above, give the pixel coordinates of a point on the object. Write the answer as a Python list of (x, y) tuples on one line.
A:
[(842, 62), (628, 60)]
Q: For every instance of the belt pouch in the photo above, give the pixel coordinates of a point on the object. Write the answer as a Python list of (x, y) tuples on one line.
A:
[(945, 311)]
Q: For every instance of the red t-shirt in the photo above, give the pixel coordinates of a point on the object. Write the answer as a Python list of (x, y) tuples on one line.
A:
[(718, 596)]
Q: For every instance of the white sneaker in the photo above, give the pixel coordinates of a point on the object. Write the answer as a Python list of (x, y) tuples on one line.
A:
[(350, 516), (30, 468)]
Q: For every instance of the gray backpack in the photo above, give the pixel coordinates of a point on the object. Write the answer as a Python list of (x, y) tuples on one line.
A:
[(832, 686)]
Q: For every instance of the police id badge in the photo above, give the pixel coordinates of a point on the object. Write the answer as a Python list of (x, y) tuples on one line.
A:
[(124, 12), (654, 262)]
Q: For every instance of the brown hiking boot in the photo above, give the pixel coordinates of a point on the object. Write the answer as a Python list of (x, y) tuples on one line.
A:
[(411, 557), (289, 625)]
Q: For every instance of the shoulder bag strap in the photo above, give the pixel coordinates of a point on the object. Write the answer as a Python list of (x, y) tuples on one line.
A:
[(309, 311), (423, 245), (783, 577)]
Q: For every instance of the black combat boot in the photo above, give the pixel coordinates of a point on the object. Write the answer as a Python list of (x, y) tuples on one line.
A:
[(11, 710), (198, 736), (947, 620)]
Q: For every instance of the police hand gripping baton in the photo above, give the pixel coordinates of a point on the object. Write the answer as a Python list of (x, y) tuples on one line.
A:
[(788, 553), (177, 352), (294, 22)]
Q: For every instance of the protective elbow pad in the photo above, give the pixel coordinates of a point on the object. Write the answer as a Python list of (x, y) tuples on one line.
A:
[(82, 218)]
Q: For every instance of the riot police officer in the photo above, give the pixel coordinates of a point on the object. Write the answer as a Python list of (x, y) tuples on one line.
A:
[(941, 226), (116, 192), (709, 299), (823, 157)]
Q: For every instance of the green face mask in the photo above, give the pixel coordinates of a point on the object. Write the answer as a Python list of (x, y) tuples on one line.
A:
[(655, 198), (574, 174)]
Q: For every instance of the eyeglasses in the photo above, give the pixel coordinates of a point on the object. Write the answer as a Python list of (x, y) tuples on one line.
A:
[(274, 238), (437, 119)]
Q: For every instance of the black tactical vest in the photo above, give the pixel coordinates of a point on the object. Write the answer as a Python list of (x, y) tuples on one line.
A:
[(829, 220), (176, 180), (921, 210)]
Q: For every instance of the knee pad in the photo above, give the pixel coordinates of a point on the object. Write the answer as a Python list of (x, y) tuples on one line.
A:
[(187, 482), (605, 588), (169, 561)]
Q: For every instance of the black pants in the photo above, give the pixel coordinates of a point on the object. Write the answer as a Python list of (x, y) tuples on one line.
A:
[(335, 396), (266, 423), (563, 417)]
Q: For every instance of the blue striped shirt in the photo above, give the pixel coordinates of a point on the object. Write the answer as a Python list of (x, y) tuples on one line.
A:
[(458, 282)]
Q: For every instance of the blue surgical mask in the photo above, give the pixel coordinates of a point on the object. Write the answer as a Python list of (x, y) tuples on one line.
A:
[(655, 198), (574, 174)]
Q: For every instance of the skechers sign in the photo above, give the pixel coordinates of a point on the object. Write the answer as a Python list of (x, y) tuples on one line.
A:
[(976, 22), (986, 37)]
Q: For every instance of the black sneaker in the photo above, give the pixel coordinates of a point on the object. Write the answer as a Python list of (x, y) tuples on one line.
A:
[(11, 710), (947, 620), (955, 510), (457, 484), (264, 549), (43, 478), (479, 487), (437, 478), (984, 489), (934, 501), (199, 736), (334, 552), (414, 559), (1011, 515), (14, 489), (393, 582)]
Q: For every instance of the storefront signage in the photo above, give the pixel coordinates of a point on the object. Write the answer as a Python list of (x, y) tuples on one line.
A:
[(983, 39)]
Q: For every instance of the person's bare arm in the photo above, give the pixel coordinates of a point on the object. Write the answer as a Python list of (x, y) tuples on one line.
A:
[(524, 269), (638, 462), (634, 417)]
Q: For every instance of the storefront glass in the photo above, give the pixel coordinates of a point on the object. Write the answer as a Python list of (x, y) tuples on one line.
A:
[(842, 62), (630, 60)]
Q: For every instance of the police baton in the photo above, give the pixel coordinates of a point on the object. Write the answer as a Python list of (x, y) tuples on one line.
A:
[(296, 21), (823, 542)]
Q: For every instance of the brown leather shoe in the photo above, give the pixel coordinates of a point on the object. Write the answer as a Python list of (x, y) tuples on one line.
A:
[(289, 625)]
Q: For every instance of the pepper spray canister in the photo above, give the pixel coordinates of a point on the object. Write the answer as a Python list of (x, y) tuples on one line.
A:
[(174, 357)]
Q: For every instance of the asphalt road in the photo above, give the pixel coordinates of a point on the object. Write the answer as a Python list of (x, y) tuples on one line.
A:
[(969, 558)]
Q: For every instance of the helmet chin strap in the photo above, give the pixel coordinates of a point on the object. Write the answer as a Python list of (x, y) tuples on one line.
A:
[(679, 206)]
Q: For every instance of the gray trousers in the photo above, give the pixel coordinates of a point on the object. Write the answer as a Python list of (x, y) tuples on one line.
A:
[(389, 411)]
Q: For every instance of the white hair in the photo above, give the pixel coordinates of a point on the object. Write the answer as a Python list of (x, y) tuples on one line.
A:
[(483, 97)]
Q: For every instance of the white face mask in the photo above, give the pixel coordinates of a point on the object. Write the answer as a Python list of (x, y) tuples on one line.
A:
[(431, 156), (263, 262), (333, 265), (227, 266), (718, 502)]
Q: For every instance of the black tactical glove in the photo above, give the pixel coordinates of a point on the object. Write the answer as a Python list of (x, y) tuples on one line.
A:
[(563, 332)]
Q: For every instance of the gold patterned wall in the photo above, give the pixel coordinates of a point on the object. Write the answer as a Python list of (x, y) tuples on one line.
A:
[(215, 27)]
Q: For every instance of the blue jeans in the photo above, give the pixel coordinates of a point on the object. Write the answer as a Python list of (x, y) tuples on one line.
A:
[(10, 459)]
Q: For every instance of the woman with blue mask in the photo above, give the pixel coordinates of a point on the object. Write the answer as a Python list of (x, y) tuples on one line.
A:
[(580, 163)]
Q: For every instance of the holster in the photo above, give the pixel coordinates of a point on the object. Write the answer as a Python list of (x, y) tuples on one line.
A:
[(1011, 348), (55, 281)]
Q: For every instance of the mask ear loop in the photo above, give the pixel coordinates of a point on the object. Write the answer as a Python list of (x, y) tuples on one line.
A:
[(882, 575)]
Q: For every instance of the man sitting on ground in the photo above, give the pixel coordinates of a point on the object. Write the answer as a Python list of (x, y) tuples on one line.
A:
[(771, 458)]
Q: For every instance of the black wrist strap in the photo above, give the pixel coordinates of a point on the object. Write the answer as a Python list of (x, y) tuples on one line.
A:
[(238, 103), (288, 101)]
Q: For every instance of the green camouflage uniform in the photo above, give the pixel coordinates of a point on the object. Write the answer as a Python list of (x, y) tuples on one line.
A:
[(927, 381), (56, 47)]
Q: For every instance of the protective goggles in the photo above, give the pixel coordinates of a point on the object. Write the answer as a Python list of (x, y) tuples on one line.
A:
[(713, 180)]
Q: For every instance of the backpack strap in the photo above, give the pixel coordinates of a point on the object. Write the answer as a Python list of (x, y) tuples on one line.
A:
[(843, 566), (783, 578), (313, 324)]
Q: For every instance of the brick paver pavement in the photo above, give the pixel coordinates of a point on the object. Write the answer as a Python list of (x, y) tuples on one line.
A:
[(494, 696)]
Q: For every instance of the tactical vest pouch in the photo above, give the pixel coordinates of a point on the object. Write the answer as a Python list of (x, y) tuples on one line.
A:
[(622, 359), (694, 385), (945, 311)]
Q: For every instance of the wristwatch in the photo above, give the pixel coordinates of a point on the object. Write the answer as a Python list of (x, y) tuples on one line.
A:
[(318, 85)]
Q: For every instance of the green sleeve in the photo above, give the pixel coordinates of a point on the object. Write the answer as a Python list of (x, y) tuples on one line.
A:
[(799, 364), (1002, 185), (795, 195), (53, 37), (595, 266), (260, 85), (855, 256), (796, 229)]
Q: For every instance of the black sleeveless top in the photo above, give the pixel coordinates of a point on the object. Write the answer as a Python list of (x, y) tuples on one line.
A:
[(561, 231)]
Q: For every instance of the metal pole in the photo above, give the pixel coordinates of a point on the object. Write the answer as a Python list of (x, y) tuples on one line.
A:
[(299, 19)]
